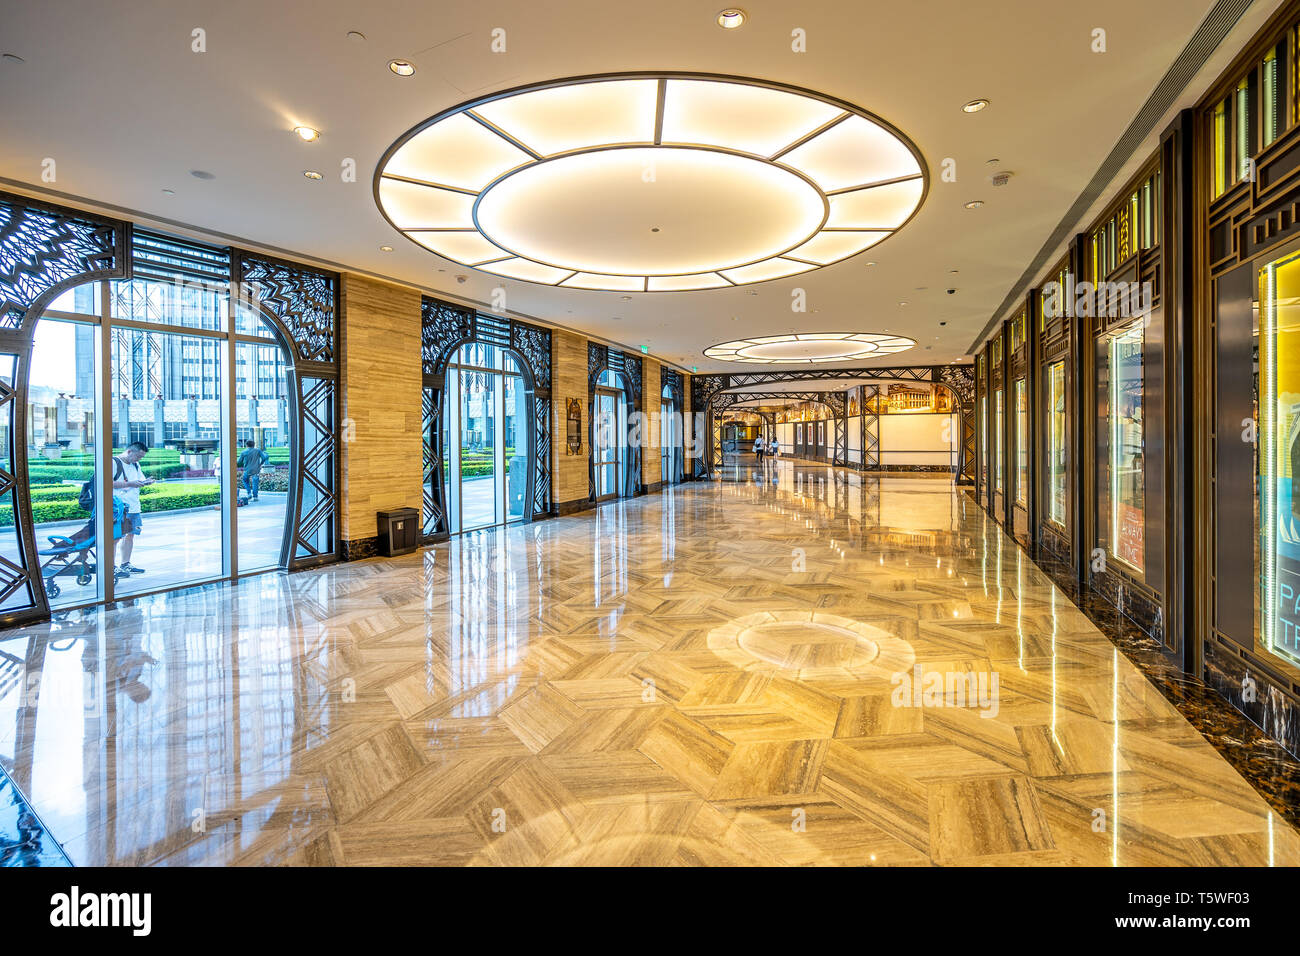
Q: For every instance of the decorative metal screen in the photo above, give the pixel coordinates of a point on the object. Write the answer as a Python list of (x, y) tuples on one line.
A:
[(445, 327), (46, 249)]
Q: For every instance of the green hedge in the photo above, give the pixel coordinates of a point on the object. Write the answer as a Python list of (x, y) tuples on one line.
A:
[(52, 474), (161, 498)]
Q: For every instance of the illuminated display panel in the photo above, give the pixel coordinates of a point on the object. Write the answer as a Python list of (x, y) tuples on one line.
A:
[(1127, 519), (1279, 456), (1056, 442), (997, 441), (1022, 444)]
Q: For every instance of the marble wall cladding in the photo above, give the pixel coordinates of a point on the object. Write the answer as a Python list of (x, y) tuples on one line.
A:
[(651, 386), (570, 478), (380, 369)]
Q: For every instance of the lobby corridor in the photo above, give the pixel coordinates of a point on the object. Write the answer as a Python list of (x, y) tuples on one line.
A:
[(698, 677)]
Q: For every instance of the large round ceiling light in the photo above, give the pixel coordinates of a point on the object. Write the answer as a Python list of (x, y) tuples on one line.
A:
[(650, 182), (810, 347)]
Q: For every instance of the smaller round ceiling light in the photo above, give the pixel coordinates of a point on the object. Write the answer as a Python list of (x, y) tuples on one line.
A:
[(731, 18), (974, 106), (650, 182), (307, 134), (312, 174), (401, 67), (810, 348)]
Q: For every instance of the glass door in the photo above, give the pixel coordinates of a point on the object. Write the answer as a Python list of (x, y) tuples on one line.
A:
[(605, 450), (485, 452), (479, 455)]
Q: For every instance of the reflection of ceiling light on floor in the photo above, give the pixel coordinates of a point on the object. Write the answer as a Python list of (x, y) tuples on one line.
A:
[(810, 347), (577, 183)]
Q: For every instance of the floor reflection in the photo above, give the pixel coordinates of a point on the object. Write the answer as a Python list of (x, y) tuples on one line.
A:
[(790, 664)]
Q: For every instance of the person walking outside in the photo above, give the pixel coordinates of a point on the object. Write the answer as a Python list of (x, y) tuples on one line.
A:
[(251, 460), (128, 479)]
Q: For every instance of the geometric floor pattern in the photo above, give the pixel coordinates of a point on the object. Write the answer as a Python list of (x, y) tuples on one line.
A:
[(794, 665)]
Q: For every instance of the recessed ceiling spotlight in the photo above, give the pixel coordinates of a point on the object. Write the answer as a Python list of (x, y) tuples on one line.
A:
[(202, 174), (953, 272), (731, 18), (974, 106), (307, 134), (385, 248), (627, 298), (974, 203), (356, 36), (402, 67), (871, 263), (13, 58), (312, 174), (169, 192), (902, 303)]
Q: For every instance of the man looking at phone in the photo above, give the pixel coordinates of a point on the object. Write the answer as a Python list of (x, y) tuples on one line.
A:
[(128, 479)]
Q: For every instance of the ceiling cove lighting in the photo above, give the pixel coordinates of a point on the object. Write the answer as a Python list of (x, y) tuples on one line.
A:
[(810, 348), (651, 182)]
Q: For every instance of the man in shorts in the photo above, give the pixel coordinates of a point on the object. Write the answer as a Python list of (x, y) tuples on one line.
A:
[(128, 479)]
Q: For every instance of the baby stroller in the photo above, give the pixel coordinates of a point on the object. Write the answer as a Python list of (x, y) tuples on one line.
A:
[(77, 554)]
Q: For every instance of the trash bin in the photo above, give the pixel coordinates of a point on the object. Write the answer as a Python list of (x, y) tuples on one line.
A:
[(399, 531)]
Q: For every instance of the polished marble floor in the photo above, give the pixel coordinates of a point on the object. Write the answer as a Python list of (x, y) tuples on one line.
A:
[(791, 665)]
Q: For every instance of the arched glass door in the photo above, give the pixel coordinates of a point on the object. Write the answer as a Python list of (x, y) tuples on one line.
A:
[(143, 388), (609, 428), (670, 438), (486, 456)]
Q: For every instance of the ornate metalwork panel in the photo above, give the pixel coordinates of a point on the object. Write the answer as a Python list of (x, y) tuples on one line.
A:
[(541, 455), (44, 249), (534, 344), (304, 300), (434, 511), (445, 327), (316, 507)]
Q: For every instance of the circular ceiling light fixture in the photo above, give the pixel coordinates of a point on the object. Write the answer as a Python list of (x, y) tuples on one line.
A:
[(659, 182), (402, 67), (731, 18), (810, 348), (307, 134), (312, 174), (974, 106), (974, 203)]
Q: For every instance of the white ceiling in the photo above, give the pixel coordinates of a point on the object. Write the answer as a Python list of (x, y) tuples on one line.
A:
[(126, 109)]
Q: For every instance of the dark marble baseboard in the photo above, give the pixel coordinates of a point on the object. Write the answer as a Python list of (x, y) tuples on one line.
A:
[(565, 508), (654, 487), (1249, 686), (360, 548), (24, 840)]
